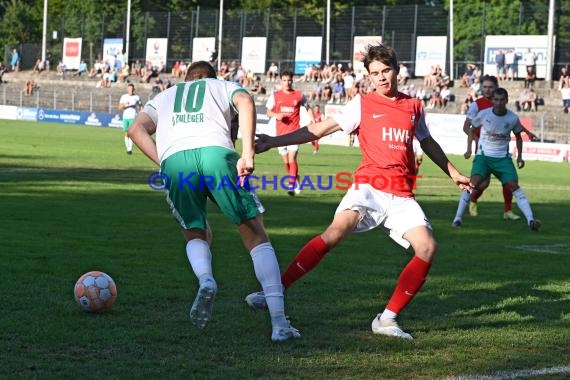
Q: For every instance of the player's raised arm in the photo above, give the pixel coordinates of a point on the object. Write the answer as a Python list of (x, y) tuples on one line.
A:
[(303, 135)]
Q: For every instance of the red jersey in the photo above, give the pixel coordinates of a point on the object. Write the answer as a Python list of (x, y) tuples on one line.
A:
[(482, 103), (386, 128), (288, 104)]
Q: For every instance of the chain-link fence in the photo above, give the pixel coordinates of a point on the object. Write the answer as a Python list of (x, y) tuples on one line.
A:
[(397, 25)]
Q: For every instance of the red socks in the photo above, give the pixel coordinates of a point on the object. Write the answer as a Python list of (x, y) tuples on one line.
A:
[(308, 257), (475, 194), (508, 197), (293, 169), (411, 280)]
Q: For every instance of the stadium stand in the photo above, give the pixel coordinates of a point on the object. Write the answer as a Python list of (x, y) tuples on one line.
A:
[(79, 93)]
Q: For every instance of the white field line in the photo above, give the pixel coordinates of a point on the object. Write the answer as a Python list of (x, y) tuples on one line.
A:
[(522, 373), (556, 248)]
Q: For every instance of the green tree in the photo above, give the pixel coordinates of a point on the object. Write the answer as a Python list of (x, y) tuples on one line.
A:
[(18, 22)]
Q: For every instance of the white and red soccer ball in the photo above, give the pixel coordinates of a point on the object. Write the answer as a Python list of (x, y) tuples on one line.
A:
[(95, 291)]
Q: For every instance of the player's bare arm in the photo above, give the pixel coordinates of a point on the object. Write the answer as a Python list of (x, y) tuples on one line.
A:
[(140, 132), (532, 136), (519, 142), (470, 137), (303, 135), (433, 150), (247, 119)]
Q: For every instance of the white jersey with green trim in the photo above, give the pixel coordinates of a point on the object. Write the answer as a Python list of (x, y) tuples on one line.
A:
[(131, 104), (496, 132), (193, 115)]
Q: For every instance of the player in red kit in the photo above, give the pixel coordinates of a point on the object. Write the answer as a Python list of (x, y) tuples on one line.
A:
[(285, 106), (387, 121), (317, 116)]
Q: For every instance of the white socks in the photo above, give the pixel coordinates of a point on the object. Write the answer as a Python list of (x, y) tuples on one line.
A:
[(463, 204), (128, 144), (524, 204), (267, 272), (387, 314), (200, 257)]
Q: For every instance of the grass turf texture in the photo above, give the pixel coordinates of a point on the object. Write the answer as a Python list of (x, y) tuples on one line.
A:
[(497, 298)]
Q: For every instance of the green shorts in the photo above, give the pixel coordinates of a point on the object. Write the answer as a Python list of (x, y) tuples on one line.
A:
[(201, 173), (502, 168), (127, 123)]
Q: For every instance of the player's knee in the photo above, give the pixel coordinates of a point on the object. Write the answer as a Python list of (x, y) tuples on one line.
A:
[(426, 250), (332, 237)]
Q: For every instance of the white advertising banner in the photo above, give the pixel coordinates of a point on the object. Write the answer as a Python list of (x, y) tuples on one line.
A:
[(360, 44), (520, 45), (430, 51), (307, 52), (253, 51), (156, 51), (72, 53), (112, 47), (202, 48), (8, 112)]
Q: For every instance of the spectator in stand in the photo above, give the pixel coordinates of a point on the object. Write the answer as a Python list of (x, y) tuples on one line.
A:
[(29, 87), (435, 100), (82, 69), (412, 91), (469, 98), (315, 92), (325, 74), (176, 70), (38, 67), (430, 80), (564, 77), (530, 61), (530, 103), (500, 63), (137, 69), (97, 69), (61, 69), (124, 73), (530, 76), (476, 87), (348, 79), (421, 95), (403, 75), (337, 92), (446, 96), (183, 69), (526, 100), (444, 80), (327, 93), (2, 71), (273, 72), (468, 75), (565, 92), (510, 62), (15, 62)]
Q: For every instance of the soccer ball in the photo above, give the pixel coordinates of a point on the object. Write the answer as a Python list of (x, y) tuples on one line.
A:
[(95, 291)]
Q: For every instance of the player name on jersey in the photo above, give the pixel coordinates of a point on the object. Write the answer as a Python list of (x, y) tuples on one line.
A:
[(188, 118)]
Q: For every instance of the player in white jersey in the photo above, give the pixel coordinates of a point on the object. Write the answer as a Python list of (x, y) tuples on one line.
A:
[(198, 161), (493, 156), (130, 104)]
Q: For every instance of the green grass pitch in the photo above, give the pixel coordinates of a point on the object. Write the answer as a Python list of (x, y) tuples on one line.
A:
[(497, 298)]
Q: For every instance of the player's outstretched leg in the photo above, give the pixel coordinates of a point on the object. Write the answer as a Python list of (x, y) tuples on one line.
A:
[(524, 206)]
